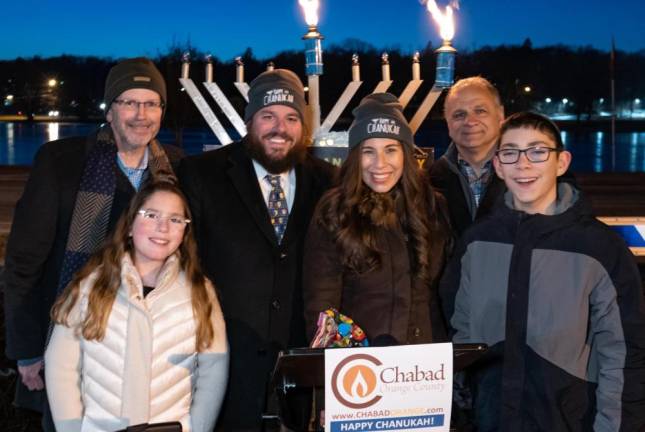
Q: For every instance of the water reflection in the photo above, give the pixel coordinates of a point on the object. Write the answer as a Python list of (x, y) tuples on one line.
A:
[(598, 152), (642, 141), (11, 144), (633, 151), (565, 138), (591, 149), (10, 135), (52, 131)]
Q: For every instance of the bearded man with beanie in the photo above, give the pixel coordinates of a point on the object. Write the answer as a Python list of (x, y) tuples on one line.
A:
[(76, 191), (251, 203)]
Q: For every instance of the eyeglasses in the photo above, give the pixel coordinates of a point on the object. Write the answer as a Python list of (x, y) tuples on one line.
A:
[(132, 105), (533, 154), (153, 216)]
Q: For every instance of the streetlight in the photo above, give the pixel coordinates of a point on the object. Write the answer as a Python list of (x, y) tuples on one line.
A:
[(52, 82), (547, 100), (527, 89)]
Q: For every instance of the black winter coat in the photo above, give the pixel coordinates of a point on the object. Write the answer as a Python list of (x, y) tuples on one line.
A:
[(384, 301), (38, 238), (258, 280), (446, 179)]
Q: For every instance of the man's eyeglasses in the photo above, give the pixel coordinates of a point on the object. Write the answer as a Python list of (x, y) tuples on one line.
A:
[(132, 105), (533, 154), (153, 216)]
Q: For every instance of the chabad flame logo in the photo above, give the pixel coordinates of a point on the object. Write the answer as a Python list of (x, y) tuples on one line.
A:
[(354, 381), (359, 381)]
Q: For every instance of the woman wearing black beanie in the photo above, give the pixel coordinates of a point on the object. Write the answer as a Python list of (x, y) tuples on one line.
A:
[(377, 242)]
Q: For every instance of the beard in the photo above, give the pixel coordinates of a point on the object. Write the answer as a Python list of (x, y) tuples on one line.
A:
[(273, 164)]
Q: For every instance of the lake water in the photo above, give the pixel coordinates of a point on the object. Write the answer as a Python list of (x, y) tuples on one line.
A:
[(592, 151)]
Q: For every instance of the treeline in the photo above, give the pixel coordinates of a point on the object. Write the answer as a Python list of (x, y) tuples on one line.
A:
[(582, 75)]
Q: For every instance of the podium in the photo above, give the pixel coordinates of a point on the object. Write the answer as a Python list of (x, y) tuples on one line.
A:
[(302, 371)]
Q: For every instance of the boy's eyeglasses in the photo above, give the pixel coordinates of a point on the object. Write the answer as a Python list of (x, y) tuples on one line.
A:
[(533, 154), (132, 105), (153, 216)]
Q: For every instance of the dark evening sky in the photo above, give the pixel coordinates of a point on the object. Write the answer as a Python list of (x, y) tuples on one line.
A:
[(120, 28)]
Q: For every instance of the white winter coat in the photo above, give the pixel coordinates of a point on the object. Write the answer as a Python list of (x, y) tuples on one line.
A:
[(146, 369)]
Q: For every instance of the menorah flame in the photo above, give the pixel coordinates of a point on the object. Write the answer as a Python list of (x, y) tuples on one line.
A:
[(322, 131), (443, 19), (310, 9)]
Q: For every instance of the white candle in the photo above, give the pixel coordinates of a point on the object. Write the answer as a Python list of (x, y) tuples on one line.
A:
[(416, 67), (385, 71), (209, 72), (239, 72), (356, 68), (385, 67), (185, 66)]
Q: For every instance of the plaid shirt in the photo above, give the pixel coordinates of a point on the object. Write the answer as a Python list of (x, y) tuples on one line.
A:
[(135, 175), (477, 183)]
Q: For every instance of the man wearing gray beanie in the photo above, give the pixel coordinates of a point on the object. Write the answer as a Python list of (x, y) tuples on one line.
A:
[(77, 189), (251, 203)]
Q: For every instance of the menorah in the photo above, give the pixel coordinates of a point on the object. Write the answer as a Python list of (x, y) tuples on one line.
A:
[(323, 135)]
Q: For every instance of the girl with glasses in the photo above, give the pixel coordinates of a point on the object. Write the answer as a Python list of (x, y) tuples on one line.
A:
[(139, 335)]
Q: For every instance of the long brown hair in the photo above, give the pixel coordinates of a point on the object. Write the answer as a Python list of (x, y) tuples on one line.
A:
[(352, 214), (106, 262)]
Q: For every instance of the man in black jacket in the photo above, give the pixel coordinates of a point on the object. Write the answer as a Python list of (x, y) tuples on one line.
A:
[(251, 204), (77, 189), (464, 174)]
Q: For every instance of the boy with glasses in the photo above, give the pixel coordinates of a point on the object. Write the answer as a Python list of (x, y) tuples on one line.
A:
[(554, 293)]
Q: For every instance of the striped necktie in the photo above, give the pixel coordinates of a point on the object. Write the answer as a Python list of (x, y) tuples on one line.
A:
[(278, 208)]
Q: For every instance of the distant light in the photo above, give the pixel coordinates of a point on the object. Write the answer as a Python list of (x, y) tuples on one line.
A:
[(9, 97), (53, 113), (306, 89), (547, 100), (637, 101), (102, 106), (527, 89), (182, 89), (565, 101), (601, 100), (52, 82)]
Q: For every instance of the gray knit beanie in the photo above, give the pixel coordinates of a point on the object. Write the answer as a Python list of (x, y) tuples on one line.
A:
[(276, 87), (134, 73), (379, 115)]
